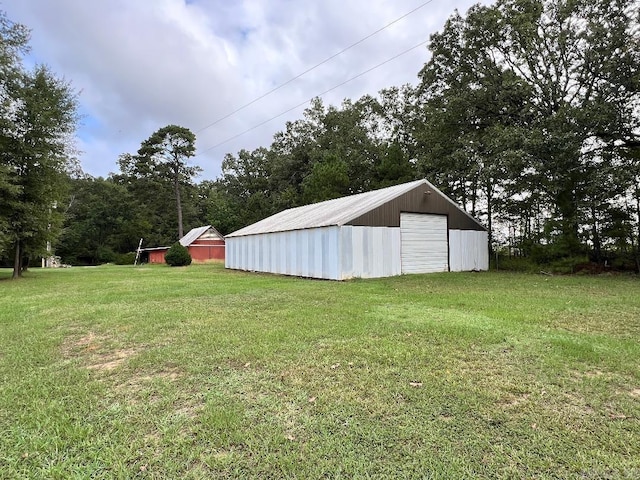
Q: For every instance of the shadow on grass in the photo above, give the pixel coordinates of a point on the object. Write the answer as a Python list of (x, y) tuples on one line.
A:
[(6, 275)]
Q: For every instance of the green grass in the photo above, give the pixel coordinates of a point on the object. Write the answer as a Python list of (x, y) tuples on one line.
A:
[(198, 372)]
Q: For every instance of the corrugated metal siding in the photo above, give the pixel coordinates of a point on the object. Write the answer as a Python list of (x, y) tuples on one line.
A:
[(308, 253), (362, 252), (424, 243), (334, 253), (468, 250), (370, 252)]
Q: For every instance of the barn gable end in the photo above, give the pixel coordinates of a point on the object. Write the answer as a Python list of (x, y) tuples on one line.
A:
[(423, 198)]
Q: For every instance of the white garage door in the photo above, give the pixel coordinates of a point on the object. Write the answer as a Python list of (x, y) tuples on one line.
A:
[(424, 243)]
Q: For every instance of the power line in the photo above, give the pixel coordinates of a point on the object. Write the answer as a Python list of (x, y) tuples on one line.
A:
[(318, 95), (312, 68)]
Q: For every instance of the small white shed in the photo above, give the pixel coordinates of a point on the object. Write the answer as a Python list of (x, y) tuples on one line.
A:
[(408, 228)]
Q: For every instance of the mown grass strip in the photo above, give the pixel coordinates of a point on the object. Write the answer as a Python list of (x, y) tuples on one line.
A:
[(198, 372)]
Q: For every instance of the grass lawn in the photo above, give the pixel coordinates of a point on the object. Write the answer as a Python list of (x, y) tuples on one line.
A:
[(198, 372)]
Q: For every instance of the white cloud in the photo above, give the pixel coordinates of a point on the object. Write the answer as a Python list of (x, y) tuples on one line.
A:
[(143, 64)]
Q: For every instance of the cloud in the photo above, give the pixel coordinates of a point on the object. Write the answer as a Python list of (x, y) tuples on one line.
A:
[(142, 64)]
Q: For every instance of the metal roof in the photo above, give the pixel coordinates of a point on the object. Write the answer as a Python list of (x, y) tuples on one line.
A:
[(196, 233), (328, 213)]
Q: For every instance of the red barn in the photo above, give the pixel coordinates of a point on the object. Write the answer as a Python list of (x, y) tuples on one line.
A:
[(204, 243)]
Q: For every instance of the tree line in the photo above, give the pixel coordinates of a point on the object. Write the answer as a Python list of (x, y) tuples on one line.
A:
[(526, 114)]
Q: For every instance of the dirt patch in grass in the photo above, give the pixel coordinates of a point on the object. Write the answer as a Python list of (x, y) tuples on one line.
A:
[(73, 347), (94, 352), (136, 383), (169, 375), (82, 347), (111, 360), (148, 388), (594, 374), (189, 408), (514, 400), (574, 404)]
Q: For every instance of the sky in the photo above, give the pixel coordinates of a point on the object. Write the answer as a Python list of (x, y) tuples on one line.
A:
[(139, 65)]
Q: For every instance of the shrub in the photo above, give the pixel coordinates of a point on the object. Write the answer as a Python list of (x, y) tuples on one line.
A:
[(125, 258), (105, 255), (177, 256)]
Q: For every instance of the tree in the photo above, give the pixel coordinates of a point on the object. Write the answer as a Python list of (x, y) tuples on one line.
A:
[(246, 185), (8, 191), (474, 112), (14, 40), (215, 207), (337, 151), (329, 179), (37, 120), (166, 153), (549, 85), (390, 120), (101, 220), (152, 197)]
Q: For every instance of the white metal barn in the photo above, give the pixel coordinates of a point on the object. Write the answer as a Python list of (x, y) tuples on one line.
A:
[(408, 228)]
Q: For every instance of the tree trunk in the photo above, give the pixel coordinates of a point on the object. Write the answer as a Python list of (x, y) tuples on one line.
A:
[(490, 214), (474, 196), (637, 247), (179, 205), (17, 270), (569, 242), (597, 248)]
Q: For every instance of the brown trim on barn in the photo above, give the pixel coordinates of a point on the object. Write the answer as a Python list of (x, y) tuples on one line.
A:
[(422, 199)]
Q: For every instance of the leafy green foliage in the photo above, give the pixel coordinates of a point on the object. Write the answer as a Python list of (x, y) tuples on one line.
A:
[(245, 184), (178, 256), (38, 117), (530, 109), (101, 220), (125, 258), (329, 179), (215, 207), (329, 153), (153, 199), (164, 155)]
